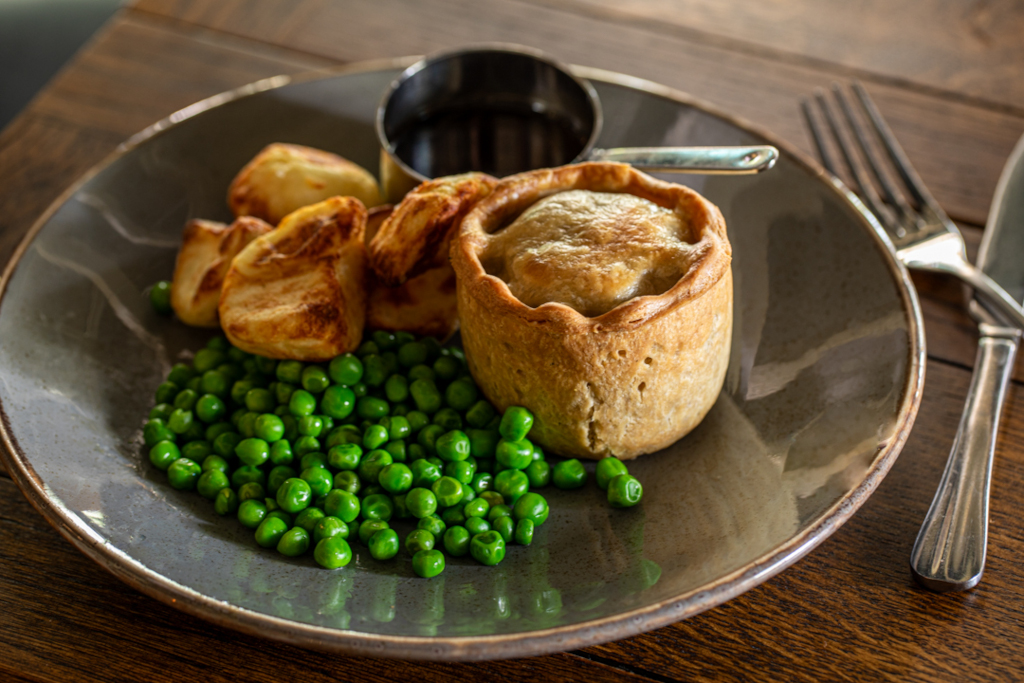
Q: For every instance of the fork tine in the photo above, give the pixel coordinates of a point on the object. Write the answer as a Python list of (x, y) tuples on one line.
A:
[(818, 135), (907, 217), (867, 191)]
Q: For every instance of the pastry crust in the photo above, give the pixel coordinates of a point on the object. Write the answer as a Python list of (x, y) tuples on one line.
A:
[(207, 249), (630, 381), (416, 236), (423, 305), (298, 292), (283, 178)]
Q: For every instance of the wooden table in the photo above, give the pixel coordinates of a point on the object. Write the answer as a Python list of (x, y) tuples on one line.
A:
[(947, 75)]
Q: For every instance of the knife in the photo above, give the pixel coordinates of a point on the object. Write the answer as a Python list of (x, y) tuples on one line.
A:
[(949, 553)]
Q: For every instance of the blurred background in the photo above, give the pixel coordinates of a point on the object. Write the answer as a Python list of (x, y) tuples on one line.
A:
[(36, 38)]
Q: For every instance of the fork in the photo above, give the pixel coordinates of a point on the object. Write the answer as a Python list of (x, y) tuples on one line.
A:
[(925, 238)]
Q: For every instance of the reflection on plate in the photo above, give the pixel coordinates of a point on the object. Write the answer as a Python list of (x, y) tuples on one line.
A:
[(825, 380)]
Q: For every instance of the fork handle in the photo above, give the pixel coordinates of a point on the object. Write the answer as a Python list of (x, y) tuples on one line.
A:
[(1000, 302), (949, 554)]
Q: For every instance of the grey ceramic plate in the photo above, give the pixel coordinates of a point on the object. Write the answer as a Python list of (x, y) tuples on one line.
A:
[(826, 376)]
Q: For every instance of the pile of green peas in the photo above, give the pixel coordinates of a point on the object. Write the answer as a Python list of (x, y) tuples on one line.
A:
[(314, 456)]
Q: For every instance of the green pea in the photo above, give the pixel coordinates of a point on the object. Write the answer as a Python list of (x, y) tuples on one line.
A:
[(166, 392), (515, 454), (183, 474), (333, 552), (306, 444), (447, 368), (426, 396), (483, 481), (497, 511), (309, 518), (371, 408), (375, 436), (421, 502), (384, 339), (448, 418), (226, 502), (493, 498), (232, 372), (208, 359), (524, 531), (476, 525), (180, 420), (397, 450), (343, 434), (194, 385), (338, 402), (161, 411), (312, 459), (448, 491), (377, 506), (462, 471), (156, 431), (511, 484), (428, 563), (294, 495), (347, 481), (225, 444), (246, 473), (310, 425), (209, 408), (160, 297), (344, 456), (216, 383), (415, 452), (454, 516), (608, 469), (424, 473), (289, 371), (531, 506), (624, 491), (539, 474), (251, 513), (281, 515), (180, 374), (462, 394), (359, 389), (506, 527), (346, 369), (301, 403), (279, 475), (397, 427), (417, 420), (163, 454), (375, 370), (269, 428), (215, 430), (515, 423), (479, 414), (366, 348), (453, 446), (477, 507), (400, 409), (401, 509), (328, 527), (395, 478), (315, 379), (253, 451), (456, 541), (251, 491), (384, 544), (569, 474), (422, 372), (487, 548), (396, 388), (371, 465), (239, 390), (412, 354), (211, 482), (483, 443), (293, 542), (270, 531), (319, 480), (342, 504), (281, 453), (419, 539), (369, 527), (283, 394), (247, 424), (432, 523)]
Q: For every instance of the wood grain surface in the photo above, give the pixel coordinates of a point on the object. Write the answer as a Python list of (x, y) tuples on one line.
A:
[(848, 611)]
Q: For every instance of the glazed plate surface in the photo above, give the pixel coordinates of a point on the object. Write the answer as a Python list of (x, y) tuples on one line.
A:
[(823, 386)]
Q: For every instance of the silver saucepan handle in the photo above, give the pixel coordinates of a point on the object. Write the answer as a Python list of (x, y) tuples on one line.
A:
[(949, 554), (705, 160)]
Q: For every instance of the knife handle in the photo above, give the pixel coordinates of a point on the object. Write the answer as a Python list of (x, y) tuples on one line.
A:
[(949, 554)]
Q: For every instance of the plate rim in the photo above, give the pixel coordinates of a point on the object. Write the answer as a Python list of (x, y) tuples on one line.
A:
[(496, 646)]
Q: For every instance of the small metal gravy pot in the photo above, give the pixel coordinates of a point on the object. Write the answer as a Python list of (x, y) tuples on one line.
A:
[(504, 109)]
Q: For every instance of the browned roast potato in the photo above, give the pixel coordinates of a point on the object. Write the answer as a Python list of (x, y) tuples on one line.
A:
[(416, 237), (207, 248), (283, 178), (299, 291), (422, 305)]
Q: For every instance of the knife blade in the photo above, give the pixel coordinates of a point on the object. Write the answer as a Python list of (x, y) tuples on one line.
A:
[(949, 553)]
